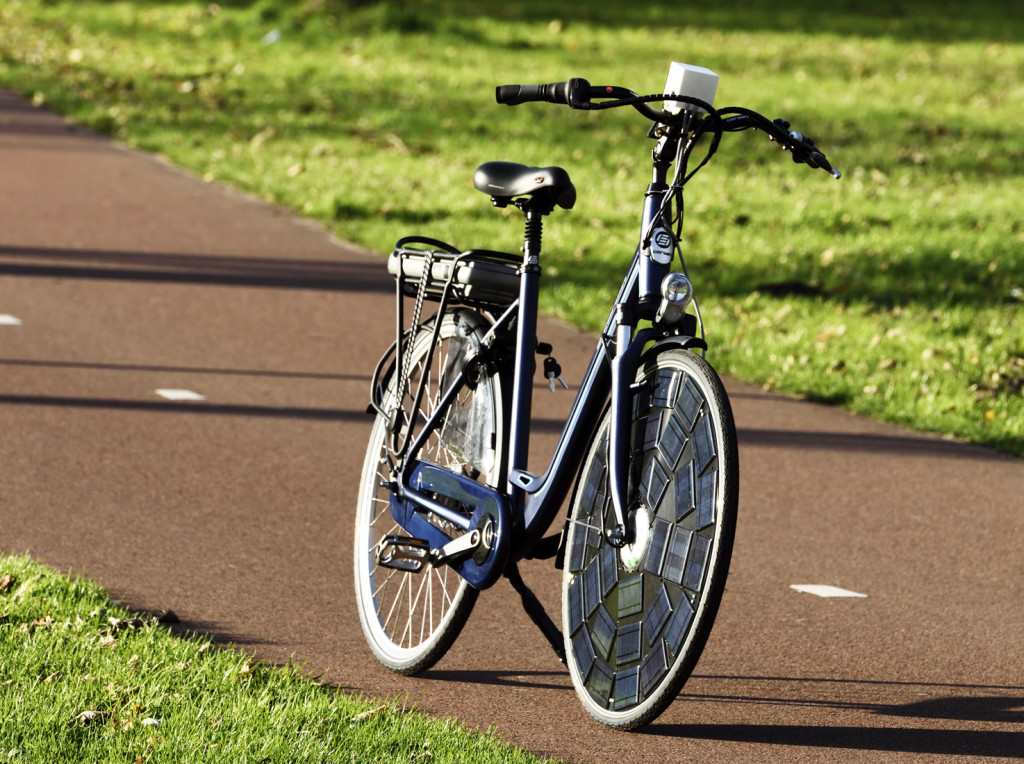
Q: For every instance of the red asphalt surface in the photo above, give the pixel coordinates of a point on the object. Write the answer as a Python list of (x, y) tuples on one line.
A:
[(121, 276)]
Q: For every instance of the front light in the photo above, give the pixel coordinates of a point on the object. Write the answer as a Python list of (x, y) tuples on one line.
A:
[(676, 294)]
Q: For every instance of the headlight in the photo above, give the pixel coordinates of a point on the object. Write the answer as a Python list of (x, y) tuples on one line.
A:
[(676, 294)]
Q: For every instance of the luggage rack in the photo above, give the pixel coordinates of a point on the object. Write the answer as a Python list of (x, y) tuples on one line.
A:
[(479, 278), (428, 269)]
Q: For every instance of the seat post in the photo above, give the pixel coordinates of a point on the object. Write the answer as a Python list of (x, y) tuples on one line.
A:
[(535, 207), (532, 237), (526, 339)]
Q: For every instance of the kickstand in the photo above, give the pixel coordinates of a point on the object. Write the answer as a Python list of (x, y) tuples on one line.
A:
[(536, 611)]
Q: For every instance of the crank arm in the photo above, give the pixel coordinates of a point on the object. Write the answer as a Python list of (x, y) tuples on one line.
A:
[(457, 549)]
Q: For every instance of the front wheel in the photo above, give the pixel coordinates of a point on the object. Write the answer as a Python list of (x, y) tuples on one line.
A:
[(635, 619)]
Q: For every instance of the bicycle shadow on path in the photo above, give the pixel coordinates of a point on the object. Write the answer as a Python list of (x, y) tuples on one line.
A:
[(882, 739), (959, 707), (989, 708), (533, 680)]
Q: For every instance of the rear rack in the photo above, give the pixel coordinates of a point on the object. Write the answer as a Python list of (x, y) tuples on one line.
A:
[(478, 278), (427, 269)]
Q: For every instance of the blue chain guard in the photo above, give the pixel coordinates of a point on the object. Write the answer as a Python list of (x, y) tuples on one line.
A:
[(427, 478)]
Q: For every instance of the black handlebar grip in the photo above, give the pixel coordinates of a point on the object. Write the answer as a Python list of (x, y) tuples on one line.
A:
[(511, 95), (516, 94)]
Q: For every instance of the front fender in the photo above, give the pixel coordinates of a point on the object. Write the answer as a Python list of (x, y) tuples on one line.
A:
[(680, 342)]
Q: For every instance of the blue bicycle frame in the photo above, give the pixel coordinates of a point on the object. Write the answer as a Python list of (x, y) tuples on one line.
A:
[(522, 513), (512, 521)]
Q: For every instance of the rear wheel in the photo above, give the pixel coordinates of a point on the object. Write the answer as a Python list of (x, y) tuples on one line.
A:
[(410, 619), (635, 619)]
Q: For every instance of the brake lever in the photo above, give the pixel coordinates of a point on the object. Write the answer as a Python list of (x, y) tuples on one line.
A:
[(805, 152), (817, 159)]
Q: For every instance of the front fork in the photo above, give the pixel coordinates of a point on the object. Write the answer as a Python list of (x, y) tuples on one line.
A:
[(652, 264), (624, 369)]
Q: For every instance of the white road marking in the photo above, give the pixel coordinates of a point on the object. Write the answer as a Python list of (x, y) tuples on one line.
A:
[(9, 320), (180, 395), (823, 590)]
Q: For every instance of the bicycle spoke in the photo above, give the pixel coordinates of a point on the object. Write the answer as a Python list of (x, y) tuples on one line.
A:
[(391, 573), (412, 606), (386, 622), (384, 511)]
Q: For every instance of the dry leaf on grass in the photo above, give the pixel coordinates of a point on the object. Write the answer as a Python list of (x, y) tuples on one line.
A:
[(107, 640), (23, 589), (120, 624), (362, 717), (91, 717)]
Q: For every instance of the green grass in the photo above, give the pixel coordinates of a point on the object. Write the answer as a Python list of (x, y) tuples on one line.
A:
[(895, 292), (83, 679)]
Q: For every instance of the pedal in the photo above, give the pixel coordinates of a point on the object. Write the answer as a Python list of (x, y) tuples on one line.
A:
[(403, 553)]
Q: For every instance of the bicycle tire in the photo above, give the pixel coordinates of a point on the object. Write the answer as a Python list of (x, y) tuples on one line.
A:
[(635, 620), (411, 619)]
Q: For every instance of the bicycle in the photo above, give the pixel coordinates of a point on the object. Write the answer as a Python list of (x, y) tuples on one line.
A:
[(446, 505)]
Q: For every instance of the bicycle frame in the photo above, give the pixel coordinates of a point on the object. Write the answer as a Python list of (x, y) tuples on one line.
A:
[(529, 504)]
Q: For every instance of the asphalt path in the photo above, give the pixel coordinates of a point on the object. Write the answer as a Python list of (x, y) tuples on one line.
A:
[(121, 276)]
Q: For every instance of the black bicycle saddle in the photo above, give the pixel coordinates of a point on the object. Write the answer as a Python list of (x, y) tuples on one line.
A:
[(504, 180)]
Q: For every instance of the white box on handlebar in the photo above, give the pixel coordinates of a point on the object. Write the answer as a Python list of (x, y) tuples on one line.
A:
[(691, 81)]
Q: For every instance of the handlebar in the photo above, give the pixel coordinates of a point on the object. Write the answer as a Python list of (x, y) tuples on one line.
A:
[(577, 93)]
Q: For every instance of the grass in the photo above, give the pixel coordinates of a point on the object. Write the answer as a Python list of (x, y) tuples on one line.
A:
[(895, 292), (83, 679)]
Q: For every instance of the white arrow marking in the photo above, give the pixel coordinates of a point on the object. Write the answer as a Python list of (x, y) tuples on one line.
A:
[(823, 590), (180, 395)]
